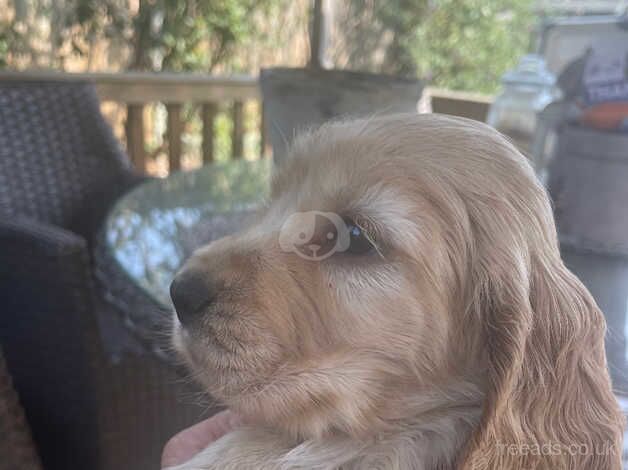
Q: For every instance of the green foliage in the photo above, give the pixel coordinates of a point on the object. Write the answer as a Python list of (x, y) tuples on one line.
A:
[(223, 128), (456, 44), (469, 44), (191, 34), (44, 33), (4, 48), (174, 35), (390, 24)]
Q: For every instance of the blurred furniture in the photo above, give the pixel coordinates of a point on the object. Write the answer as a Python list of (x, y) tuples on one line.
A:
[(530, 105), (527, 91), (153, 229), (587, 182), (94, 395), (16, 445), (297, 99), (564, 39)]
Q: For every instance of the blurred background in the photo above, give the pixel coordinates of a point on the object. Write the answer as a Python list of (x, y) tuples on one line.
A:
[(454, 45), (134, 131)]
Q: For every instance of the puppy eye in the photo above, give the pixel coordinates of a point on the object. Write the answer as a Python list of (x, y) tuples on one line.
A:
[(359, 241)]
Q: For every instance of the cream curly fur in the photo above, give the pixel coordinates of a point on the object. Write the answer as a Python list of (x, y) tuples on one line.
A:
[(464, 343)]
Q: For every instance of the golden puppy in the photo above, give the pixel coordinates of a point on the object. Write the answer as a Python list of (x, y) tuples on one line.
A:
[(400, 304)]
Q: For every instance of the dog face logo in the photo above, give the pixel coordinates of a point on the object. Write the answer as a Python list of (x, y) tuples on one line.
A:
[(314, 235)]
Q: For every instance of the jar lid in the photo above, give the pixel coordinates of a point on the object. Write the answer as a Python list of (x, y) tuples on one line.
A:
[(531, 70)]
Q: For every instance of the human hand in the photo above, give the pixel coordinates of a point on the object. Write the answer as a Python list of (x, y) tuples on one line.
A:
[(183, 446)]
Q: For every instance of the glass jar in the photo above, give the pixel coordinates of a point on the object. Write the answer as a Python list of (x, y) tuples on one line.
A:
[(527, 90)]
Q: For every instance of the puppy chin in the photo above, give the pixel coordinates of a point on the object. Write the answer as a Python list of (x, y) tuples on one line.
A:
[(183, 347), (223, 373)]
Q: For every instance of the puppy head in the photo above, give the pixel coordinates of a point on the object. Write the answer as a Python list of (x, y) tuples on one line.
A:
[(389, 251), (342, 287)]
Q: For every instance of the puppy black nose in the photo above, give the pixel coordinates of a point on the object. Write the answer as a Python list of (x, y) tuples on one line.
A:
[(190, 293)]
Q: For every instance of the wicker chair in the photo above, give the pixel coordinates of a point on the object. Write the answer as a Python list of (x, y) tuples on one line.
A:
[(16, 446), (94, 395)]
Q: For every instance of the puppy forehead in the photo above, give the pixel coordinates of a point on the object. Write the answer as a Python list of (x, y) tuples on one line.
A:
[(348, 187)]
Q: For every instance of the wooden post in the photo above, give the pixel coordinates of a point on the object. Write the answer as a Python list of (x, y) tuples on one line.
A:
[(175, 129), (237, 136), (134, 130), (208, 116), (319, 30), (262, 131), (264, 144)]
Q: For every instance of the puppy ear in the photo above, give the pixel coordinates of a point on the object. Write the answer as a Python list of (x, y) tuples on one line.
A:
[(549, 401)]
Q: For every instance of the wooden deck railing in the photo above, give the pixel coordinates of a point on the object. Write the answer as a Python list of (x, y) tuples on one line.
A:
[(137, 90), (212, 95)]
